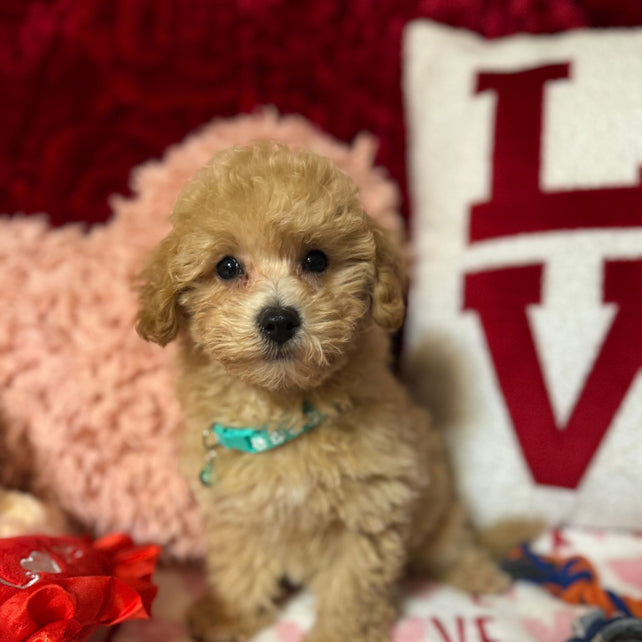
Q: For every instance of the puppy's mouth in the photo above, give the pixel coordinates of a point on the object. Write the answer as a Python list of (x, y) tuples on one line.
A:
[(279, 353)]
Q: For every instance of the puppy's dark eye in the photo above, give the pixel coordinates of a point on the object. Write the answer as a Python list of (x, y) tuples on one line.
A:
[(229, 268), (315, 261)]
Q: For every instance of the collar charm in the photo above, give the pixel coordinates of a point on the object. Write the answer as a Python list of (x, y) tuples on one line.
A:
[(251, 440)]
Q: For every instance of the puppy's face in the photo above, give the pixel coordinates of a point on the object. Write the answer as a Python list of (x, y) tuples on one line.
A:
[(271, 267)]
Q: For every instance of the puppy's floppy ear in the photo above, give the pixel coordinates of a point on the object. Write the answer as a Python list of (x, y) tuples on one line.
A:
[(388, 295), (158, 314)]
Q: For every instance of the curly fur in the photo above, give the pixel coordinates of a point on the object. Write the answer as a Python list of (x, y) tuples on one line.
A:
[(348, 507)]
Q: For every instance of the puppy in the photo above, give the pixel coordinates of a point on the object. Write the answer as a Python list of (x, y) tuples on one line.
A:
[(308, 459)]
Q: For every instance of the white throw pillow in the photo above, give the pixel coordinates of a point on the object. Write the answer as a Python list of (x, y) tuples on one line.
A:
[(524, 331)]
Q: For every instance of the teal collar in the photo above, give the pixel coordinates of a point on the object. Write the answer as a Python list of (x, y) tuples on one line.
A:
[(252, 440)]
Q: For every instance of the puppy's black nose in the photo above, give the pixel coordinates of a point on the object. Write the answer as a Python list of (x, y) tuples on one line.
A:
[(278, 324)]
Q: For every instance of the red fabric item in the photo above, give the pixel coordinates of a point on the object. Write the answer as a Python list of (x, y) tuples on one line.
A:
[(93, 88), (61, 589)]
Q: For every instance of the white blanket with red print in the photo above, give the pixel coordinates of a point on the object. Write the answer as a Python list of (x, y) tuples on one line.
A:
[(430, 612)]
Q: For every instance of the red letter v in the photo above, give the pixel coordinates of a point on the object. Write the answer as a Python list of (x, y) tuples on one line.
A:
[(558, 457)]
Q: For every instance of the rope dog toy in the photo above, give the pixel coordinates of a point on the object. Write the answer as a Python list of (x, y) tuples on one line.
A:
[(574, 580)]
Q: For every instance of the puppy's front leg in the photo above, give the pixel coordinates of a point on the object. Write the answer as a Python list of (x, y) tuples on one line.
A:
[(356, 587), (243, 582)]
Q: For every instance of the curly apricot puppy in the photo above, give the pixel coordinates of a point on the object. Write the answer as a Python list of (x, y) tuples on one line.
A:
[(282, 291)]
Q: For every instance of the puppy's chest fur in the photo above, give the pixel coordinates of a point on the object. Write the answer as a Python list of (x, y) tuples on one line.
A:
[(365, 465)]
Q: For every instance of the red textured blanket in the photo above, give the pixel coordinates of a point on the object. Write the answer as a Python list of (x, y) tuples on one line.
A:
[(93, 88)]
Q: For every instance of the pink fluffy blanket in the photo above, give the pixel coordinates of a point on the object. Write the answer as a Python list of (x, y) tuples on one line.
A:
[(88, 406)]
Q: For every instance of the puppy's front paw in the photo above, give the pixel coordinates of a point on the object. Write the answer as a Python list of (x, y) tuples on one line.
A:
[(476, 573), (368, 634), (209, 621), (362, 623)]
